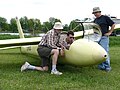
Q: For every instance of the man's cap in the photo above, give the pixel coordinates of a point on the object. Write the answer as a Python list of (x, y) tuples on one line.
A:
[(58, 25), (96, 9)]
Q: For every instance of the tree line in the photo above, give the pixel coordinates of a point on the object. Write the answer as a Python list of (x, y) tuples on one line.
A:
[(34, 25)]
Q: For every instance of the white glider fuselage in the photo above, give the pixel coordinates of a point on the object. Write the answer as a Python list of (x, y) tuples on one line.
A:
[(81, 53)]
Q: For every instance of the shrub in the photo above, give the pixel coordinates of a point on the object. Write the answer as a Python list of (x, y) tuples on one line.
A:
[(8, 36)]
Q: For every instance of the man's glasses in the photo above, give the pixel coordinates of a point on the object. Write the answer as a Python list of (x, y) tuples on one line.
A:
[(71, 37), (96, 12)]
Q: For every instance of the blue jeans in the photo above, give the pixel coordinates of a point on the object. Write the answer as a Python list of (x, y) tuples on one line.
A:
[(104, 42)]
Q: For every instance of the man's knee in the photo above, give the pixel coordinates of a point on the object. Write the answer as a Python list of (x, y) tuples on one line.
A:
[(55, 51), (45, 68)]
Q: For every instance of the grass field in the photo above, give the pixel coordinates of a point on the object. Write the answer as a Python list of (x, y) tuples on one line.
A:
[(73, 78)]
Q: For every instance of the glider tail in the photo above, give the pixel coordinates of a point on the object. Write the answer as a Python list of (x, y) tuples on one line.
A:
[(21, 34)]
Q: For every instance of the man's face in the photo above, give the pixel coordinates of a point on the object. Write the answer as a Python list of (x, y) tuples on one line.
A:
[(58, 30), (70, 38), (97, 14)]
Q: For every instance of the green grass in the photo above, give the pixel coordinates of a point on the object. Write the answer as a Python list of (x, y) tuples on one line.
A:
[(114, 41), (73, 78)]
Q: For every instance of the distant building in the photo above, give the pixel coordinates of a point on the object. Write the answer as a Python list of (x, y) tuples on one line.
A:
[(115, 19)]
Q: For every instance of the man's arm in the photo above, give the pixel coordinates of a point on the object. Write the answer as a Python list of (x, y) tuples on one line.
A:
[(111, 30), (110, 23)]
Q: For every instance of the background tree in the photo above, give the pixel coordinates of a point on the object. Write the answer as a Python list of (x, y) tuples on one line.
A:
[(75, 26), (13, 25), (37, 26), (66, 27), (46, 26), (52, 20), (4, 26), (24, 23), (31, 26)]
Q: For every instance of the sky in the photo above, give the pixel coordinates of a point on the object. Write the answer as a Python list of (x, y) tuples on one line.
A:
[(65, 10)]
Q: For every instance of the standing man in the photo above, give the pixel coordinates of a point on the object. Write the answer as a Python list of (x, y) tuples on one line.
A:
[(104, 22), (49, 45)]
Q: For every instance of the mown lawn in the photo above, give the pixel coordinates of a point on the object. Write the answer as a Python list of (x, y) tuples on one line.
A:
[(73, 78)]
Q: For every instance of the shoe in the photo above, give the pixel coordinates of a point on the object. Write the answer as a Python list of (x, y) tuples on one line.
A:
[(108, 69), (24, 66), (56, 72), (101, 67)]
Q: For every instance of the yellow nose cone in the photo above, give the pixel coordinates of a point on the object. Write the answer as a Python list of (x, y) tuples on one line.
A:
[(83, 53)]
